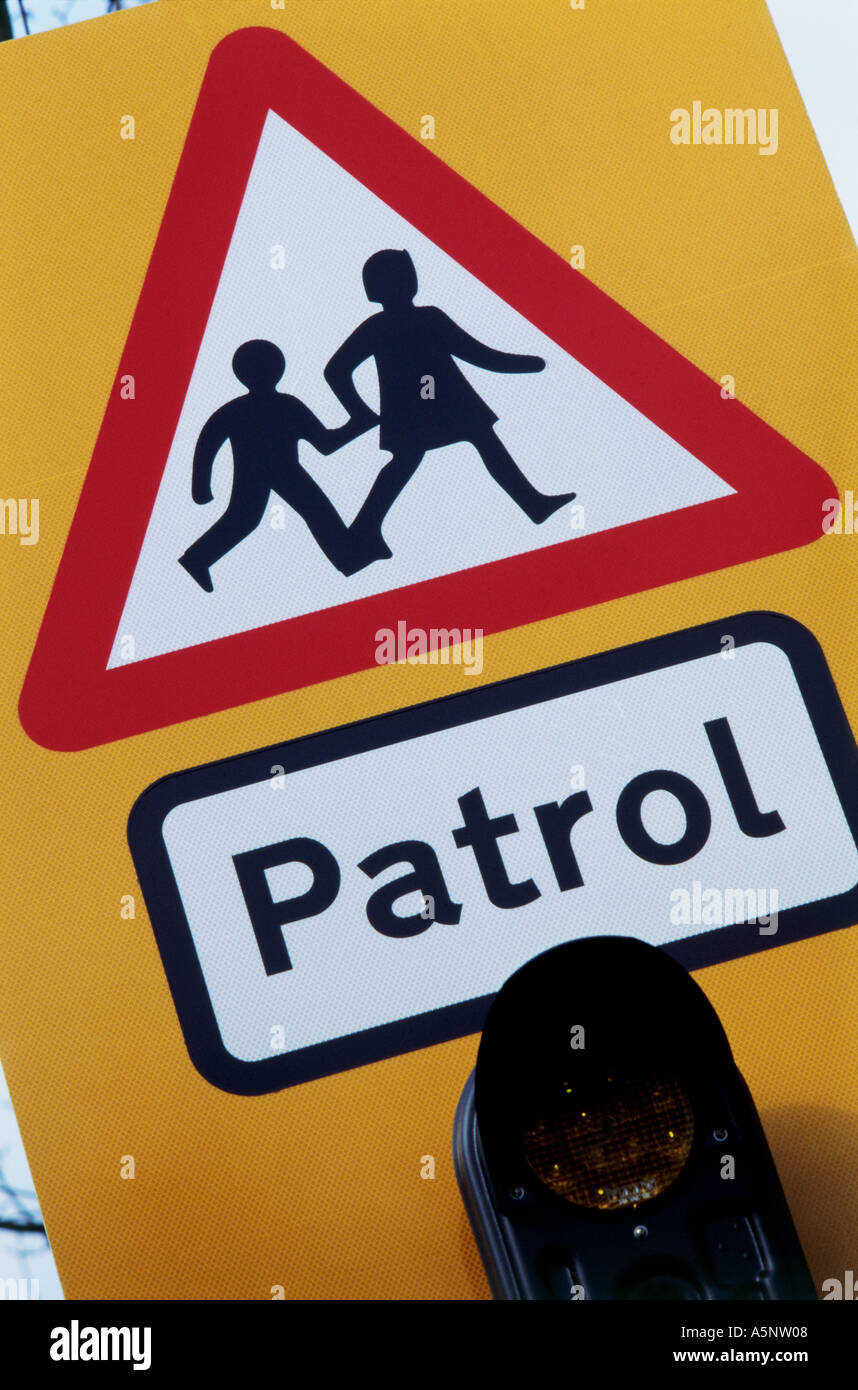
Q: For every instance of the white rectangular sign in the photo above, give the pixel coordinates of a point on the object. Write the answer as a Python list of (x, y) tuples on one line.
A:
[(364, 891)]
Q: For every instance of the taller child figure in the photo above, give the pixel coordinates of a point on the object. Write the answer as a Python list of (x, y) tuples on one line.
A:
[(425, 400)]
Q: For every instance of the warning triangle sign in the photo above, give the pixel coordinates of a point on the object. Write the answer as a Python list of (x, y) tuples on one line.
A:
[(564, 428), (356, 392)]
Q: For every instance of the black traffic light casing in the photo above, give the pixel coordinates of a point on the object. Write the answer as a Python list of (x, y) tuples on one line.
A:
[(606, 1145)]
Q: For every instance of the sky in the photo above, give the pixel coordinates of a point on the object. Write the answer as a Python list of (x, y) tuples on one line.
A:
[(821, 44), (52, 14), (24, 1255)]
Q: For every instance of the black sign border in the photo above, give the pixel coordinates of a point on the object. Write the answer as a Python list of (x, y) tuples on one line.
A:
[(173, 934)]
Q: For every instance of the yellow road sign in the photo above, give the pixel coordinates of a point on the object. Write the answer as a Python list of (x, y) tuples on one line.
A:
[(154, 1181)]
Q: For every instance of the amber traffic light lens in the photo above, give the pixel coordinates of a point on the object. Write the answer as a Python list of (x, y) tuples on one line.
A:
[(614, 1144)]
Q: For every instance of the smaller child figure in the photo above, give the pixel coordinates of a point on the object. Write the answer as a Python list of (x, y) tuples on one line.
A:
[(264, 427)]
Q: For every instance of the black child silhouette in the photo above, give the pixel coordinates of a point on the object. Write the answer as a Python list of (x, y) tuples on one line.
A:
[(425, 400), (263, 428)]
